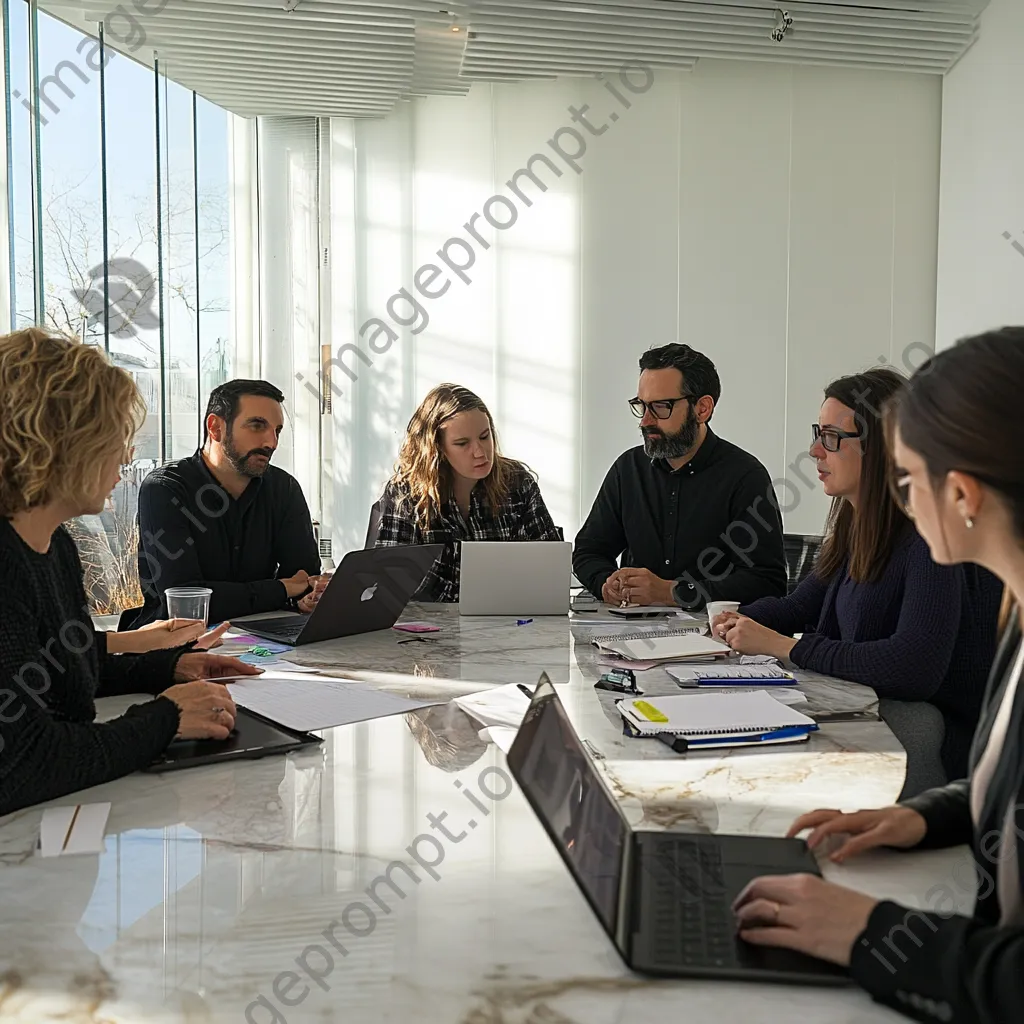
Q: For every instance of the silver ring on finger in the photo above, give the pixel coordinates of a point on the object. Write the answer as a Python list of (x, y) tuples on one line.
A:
[(218, 711)]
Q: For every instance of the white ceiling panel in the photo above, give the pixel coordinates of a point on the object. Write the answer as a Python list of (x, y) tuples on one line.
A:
[(360, 57)]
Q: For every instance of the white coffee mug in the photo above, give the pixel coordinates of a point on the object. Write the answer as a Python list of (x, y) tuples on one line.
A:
[(716, 608)]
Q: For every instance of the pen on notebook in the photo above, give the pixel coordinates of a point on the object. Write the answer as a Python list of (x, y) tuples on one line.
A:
[(74, 818), (526, 690)]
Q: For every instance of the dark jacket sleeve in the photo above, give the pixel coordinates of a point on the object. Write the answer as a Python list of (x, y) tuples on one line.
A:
[(120, 674), (168, 552), (794, 613), (947, 813), (934, 967), (296, 546), (752, 543), (42, 758), (912, 663), (602, 538)]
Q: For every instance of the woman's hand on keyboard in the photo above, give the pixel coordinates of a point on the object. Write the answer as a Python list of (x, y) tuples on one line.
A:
[(863, 830)]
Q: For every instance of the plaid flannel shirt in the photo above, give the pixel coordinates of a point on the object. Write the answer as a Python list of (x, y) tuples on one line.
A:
[(523, 516)]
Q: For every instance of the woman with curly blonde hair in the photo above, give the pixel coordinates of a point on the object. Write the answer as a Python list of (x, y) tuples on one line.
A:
[(452, 484), (66, 424)]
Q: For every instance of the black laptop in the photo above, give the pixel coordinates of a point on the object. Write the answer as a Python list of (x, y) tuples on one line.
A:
[(368, 591), (664, 898)]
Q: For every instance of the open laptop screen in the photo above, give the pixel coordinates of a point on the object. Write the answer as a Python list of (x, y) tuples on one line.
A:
[(567, 794)]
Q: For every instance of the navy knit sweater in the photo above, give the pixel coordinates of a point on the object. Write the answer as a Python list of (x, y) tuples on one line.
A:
[(921, 632), (52, 665)]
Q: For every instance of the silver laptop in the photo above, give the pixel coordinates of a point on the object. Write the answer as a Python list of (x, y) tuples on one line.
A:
[(515, 577)]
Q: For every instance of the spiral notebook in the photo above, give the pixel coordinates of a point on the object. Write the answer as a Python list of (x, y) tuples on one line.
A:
[(720, 719), (673, 645)]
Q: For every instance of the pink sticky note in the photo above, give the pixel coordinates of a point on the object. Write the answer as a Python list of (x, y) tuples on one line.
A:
[(417, 627)]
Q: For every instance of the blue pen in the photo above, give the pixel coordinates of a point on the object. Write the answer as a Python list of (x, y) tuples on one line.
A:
[(778, 734), (745, 681), (523, 622)]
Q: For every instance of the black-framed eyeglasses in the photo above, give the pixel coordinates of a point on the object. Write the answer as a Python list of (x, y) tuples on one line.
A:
[(660, 409), (830, 437)]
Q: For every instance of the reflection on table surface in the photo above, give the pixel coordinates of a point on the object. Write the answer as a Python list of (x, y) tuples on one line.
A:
[(396, 864)]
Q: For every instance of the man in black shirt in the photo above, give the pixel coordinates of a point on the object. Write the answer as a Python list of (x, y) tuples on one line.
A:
[(693, 517), (225, 518)]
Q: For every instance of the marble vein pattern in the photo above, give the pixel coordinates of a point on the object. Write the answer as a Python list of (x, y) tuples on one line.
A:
[(217, 884)]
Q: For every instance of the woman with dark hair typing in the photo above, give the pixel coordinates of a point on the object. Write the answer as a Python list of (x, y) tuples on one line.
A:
[(877, 609), (961, 475), (68, 421)]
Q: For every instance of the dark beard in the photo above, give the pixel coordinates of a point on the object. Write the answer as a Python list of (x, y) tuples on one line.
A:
[(241, 462), (673, 446)]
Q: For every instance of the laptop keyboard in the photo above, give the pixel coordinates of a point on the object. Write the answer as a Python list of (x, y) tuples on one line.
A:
[(287, 628), (689, 907)]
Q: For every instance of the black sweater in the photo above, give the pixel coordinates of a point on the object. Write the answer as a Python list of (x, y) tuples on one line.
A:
[(937, 966), (192, 533), (713, 526), (52, 665)]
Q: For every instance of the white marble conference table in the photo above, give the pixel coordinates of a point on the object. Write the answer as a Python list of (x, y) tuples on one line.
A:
[(240, 892)]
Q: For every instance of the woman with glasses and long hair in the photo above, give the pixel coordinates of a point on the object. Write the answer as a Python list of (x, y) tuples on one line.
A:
[(876, 608), (452, 484), (68, 420), (956, 441)]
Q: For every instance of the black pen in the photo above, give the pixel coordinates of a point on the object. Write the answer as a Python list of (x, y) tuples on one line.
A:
[(677, 743), (526, 690)]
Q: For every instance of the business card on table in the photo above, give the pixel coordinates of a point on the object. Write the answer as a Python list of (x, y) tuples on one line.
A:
[(77, 828)]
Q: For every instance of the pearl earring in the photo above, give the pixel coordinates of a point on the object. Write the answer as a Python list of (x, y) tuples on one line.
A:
[(969, 523)]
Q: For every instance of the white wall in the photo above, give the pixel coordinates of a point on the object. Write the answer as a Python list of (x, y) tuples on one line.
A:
[(981, 274), (781, 219)]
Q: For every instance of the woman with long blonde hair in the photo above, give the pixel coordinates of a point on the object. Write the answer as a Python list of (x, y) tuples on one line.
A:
[(66, 423), (452, 484)]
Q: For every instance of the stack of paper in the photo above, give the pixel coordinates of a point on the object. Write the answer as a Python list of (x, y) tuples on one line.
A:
[(679, 645), (309, 702), (718, 719), (757, 676)]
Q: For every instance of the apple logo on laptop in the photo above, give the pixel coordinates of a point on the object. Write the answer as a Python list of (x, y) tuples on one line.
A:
[(368, 593)]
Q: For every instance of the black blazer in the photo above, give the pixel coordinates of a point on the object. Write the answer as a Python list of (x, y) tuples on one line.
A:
[(935, 966)]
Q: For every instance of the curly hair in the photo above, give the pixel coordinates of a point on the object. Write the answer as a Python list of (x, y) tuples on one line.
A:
[(65, 409), (423, 471)]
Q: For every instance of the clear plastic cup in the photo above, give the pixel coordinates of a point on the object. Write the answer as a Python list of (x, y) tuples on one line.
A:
[(188, 603)]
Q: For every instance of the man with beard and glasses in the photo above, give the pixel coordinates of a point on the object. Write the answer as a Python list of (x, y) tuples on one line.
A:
[(690, 517), (226, 519)]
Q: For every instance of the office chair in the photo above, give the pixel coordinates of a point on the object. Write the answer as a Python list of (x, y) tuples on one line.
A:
[(373, 527), (801, 552)]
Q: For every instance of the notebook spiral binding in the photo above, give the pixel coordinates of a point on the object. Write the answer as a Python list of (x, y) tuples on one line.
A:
[(685, 631)]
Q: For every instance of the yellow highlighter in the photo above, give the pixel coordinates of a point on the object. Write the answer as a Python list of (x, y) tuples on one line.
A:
[(649, 711)]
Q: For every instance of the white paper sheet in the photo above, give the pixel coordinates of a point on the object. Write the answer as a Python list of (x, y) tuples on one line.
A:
[(783, 694), (503, 705), (500, 735), (309, 702), (62, 831)]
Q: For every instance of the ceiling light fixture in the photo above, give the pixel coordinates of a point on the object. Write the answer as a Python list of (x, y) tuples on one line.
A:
[(783, 23)]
